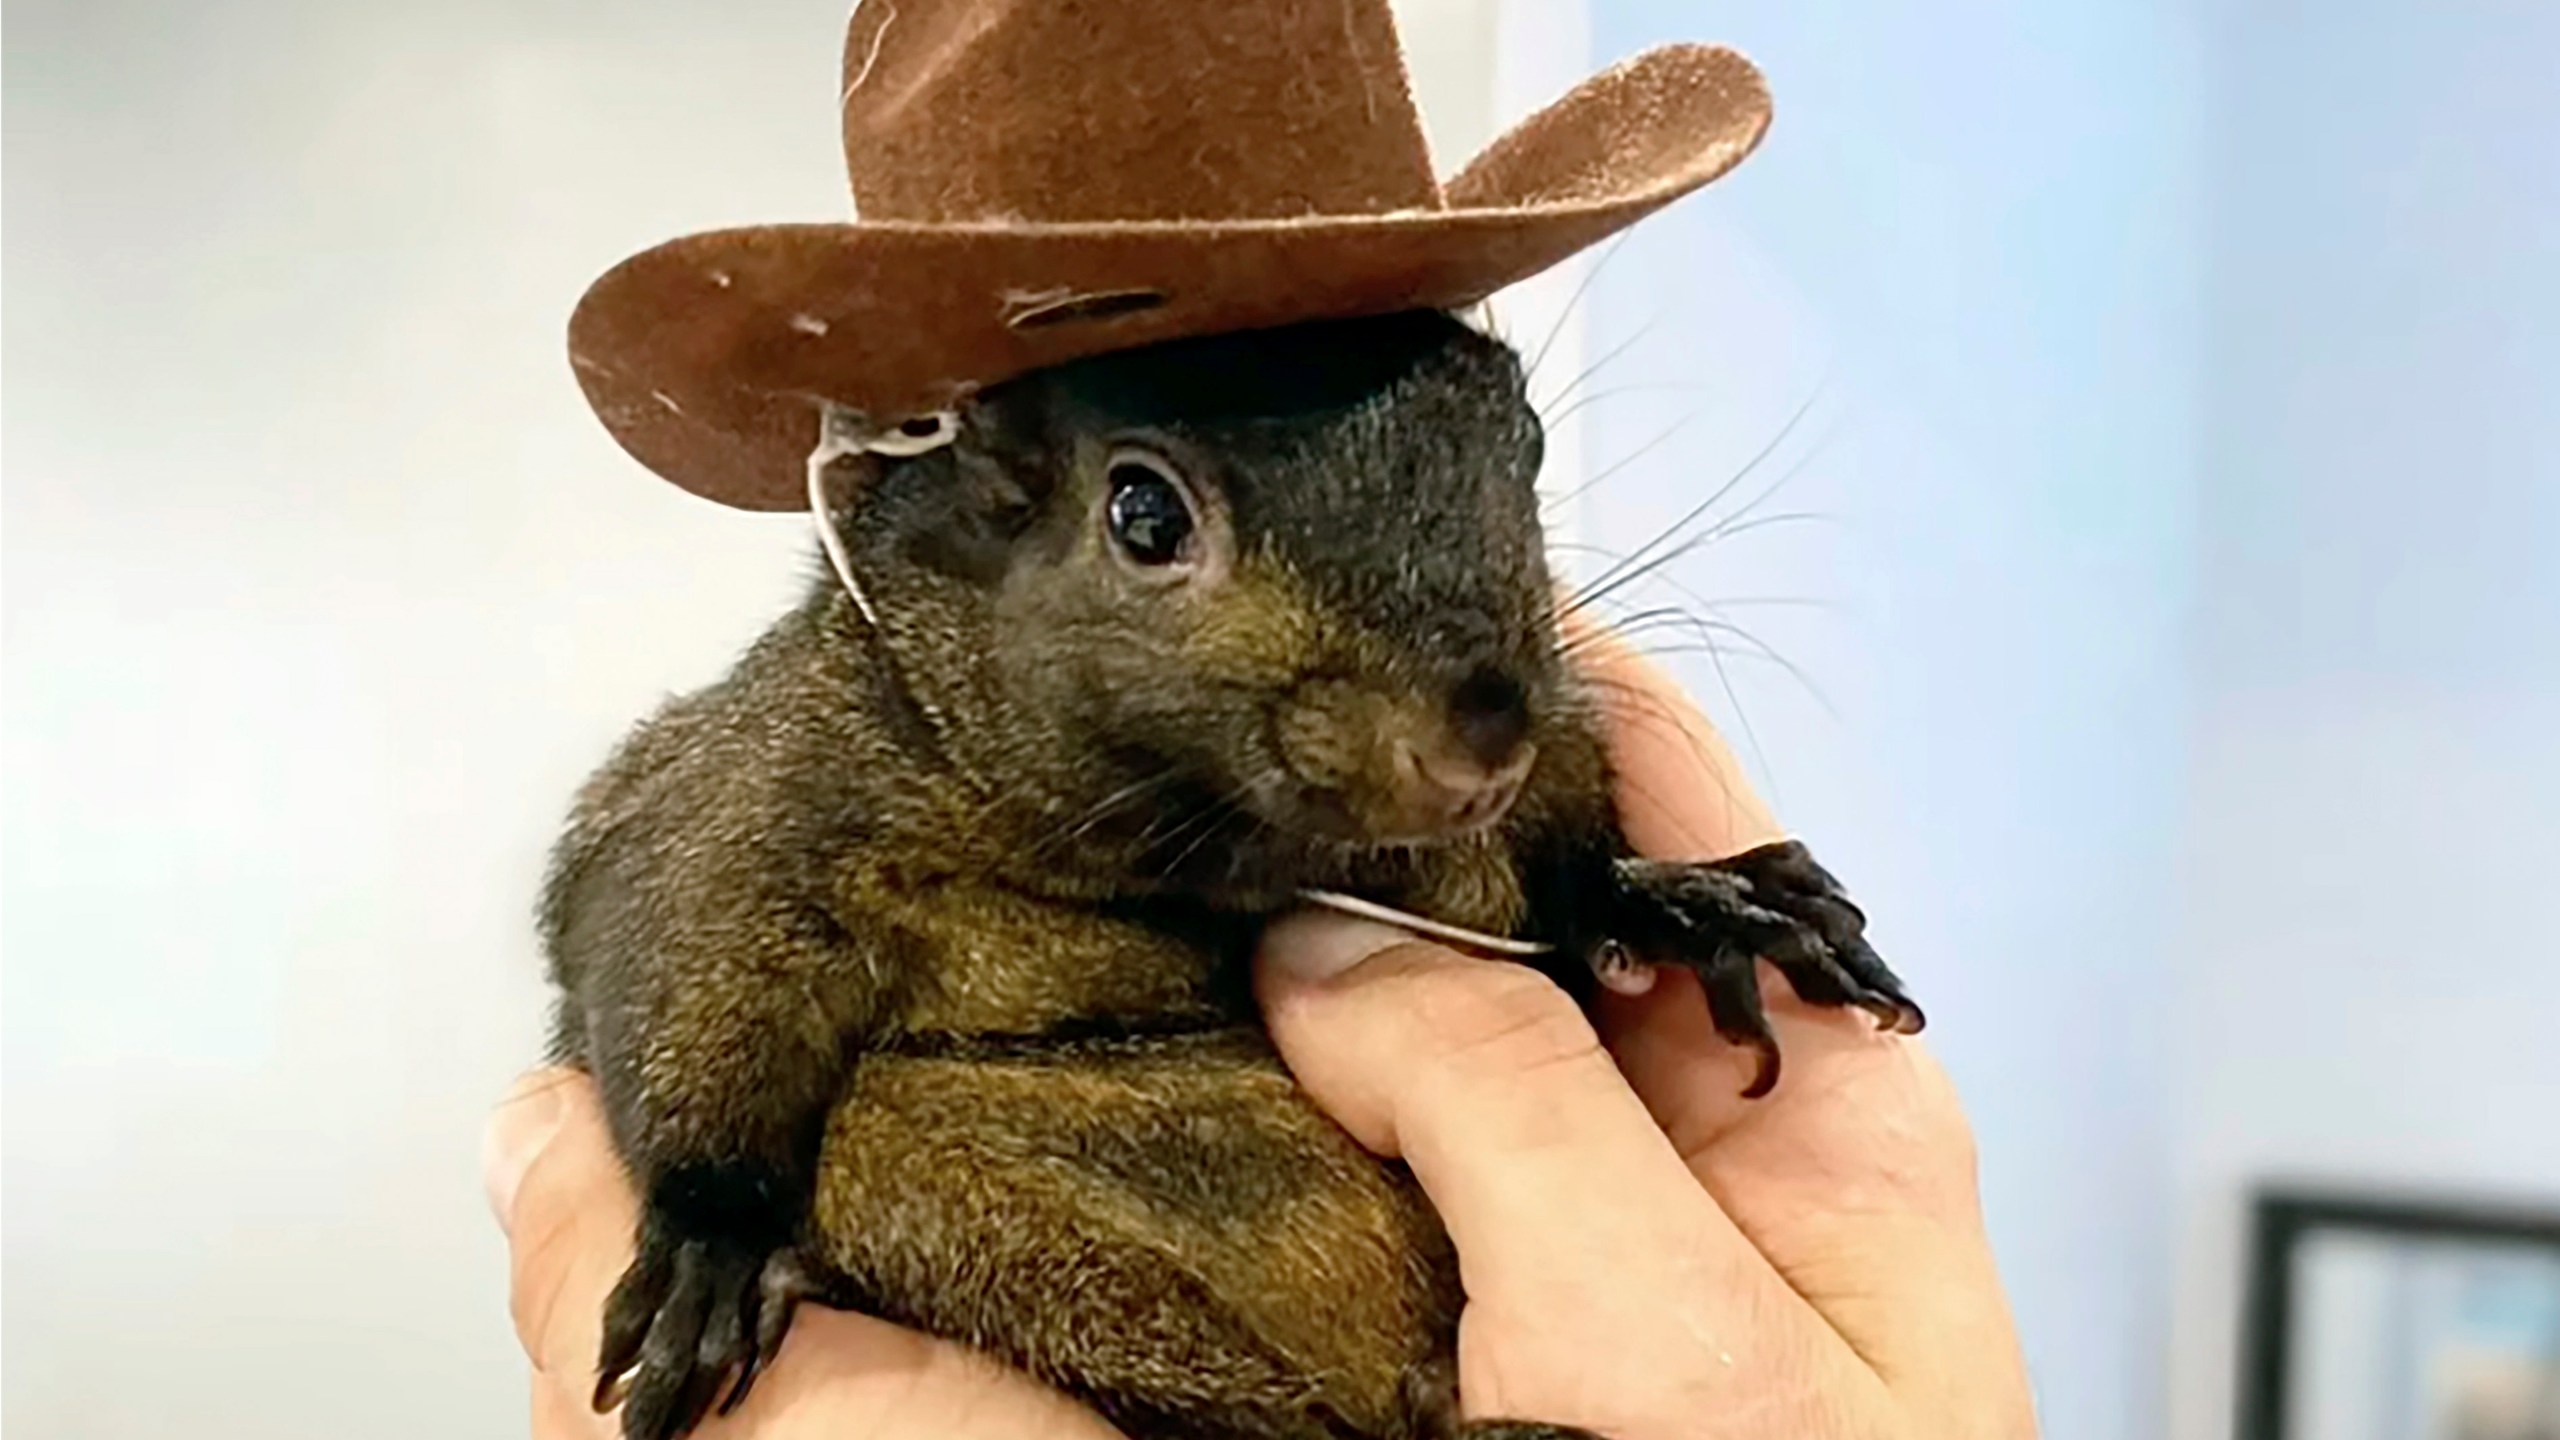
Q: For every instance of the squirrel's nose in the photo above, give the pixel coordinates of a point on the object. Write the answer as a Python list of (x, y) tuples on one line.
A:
[(1490, 711), (1449, 793)]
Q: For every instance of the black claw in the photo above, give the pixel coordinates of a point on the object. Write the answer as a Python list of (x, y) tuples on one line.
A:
[(751, 1362), (739, 1370), (1909, 1018), (690, 1327), (654, 1408), (628, 1315), (1776, 904), (721, 1353), (753, 1366), (1817, 979), (701, 1387), (1732, 982), (785, 1282), (1879, 982)]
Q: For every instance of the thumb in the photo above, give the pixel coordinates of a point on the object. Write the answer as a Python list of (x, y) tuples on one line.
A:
[(565, 1204), (519, 1130), (1681, 793), (1487, 1081)]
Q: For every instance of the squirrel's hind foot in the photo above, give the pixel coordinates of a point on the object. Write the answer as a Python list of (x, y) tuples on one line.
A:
[(691, 1325)]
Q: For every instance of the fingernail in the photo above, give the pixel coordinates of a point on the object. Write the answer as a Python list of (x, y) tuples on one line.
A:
[(518, 1132), (1317, 946)]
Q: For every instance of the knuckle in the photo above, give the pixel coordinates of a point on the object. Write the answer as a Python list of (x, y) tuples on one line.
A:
[(566, 1244), (1487, 1018), (1925, 1152), (1960, 1154), (539, 1281)]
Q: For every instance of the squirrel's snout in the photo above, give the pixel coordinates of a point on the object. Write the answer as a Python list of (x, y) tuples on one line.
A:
[(1400, 767), (1490, 711), (1462, 778), (1447, 794)]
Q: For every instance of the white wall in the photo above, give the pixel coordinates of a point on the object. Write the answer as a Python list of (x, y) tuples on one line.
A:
[(1979, 223), (322, 591), (2369, 974)]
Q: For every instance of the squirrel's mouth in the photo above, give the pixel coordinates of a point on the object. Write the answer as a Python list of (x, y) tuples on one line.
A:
[(1411, 800), (1386, 765), (1256, 845)]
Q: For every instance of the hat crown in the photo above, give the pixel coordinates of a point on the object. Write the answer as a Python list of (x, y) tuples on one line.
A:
[(1065, 111)]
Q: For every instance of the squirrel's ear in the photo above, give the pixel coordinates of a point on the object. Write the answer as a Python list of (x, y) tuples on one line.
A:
[(966, 511)]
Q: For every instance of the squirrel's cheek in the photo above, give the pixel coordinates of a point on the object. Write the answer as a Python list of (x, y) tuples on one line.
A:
[(1322, 735)]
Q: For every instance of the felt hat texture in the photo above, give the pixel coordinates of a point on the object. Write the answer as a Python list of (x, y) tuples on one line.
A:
[(1037, 181)]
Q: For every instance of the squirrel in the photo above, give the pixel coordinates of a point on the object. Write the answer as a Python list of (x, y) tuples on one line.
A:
[(911, 957)]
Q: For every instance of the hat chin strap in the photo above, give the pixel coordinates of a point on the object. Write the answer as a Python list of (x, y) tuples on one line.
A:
[(827, 453), (1422, 925), (843, 432)]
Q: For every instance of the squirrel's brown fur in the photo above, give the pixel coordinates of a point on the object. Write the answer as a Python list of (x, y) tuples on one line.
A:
[(911, 959)]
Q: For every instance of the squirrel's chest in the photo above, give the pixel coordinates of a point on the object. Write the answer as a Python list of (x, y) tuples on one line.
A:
[(985, 960)]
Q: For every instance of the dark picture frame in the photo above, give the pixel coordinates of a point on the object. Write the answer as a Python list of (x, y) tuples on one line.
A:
[(2285, 1225)]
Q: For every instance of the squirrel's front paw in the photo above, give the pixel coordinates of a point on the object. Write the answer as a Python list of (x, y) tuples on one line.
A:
[(694, 1316), (1720, 919)]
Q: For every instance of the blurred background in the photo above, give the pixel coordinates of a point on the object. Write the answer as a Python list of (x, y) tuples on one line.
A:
[(2148, 599)]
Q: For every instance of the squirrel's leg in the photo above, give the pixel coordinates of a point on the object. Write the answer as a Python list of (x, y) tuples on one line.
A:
[(717, 1056)]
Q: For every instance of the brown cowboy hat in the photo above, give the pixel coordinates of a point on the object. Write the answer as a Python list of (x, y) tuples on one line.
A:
[(1041, 180)]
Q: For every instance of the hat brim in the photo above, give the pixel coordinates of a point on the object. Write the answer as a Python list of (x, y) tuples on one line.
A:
[(709, 356)]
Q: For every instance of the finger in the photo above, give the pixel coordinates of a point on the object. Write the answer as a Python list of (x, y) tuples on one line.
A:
[(1855, 1179), (1864, 1113), (1681, 792), (570, 1221), (1469, 1070), (1688, 800), (1561, 1195), (566, 1205), (560, 1415), (841, 1374), (518, 1129)]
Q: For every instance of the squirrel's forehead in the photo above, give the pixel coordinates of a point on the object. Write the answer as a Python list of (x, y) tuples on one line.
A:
[(1404, 564)]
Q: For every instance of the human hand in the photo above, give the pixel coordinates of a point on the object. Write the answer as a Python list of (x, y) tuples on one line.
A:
[(566, 1205), (1645, 1253)]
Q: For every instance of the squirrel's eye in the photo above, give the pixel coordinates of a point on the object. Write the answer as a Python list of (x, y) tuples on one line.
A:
[(1149, 517)]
